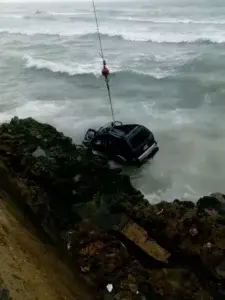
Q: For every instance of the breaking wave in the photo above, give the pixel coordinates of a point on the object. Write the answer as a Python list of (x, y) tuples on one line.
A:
[(170, 38), (170, 20), (53, 16), (82, 69), (69, 14), (158, 38), (56, 67)]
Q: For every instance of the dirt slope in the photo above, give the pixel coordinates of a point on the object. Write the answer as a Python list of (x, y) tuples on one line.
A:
[(30, 269)]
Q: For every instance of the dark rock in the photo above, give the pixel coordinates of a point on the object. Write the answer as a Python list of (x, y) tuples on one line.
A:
[(39, 152), (214, 201), (4, 293), (221, 269)]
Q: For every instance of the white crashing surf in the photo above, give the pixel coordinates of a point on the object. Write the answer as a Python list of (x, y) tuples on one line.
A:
[(61, 68), (169, 20), (92, 68), (133, 35)]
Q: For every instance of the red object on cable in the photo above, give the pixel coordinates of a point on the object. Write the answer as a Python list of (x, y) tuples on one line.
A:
[(105, 71)]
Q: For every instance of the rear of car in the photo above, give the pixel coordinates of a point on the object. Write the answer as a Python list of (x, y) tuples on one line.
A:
[(143, 144)]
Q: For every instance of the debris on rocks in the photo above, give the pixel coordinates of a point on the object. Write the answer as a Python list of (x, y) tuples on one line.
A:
[(208, 245), (109, 287), (193, 231), (139, 236)]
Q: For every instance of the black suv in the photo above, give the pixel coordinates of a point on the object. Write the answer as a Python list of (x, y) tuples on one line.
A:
[(127, 144)]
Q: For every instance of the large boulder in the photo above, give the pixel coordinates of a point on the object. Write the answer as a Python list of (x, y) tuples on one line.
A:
[(212, 204)]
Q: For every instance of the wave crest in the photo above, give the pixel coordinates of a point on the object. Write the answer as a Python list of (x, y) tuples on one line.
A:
[(60, 68), (83, 69), (169, 20), (128, 36), (159, 39)]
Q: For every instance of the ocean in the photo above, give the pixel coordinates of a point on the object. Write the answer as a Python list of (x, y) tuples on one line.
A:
[(167, 63)]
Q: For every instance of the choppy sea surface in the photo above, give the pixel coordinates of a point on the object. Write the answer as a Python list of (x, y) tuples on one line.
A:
[(167, 60)]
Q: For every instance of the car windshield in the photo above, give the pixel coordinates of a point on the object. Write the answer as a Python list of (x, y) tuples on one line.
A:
[(108, 125), (138, 139)]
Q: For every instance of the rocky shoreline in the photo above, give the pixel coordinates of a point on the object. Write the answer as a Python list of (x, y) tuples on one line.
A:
[(106, 227)]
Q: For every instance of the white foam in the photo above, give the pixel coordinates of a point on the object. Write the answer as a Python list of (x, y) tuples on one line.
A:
[(57, 67), (12, 16), (133, 35), (177, 21), (94, 68), (36, 109), (70, 14)]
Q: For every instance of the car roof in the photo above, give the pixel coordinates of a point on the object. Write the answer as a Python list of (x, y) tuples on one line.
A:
[(124, 130)]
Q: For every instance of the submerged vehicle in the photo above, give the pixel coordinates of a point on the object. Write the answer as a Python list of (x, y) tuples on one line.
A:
[(126, 144)]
